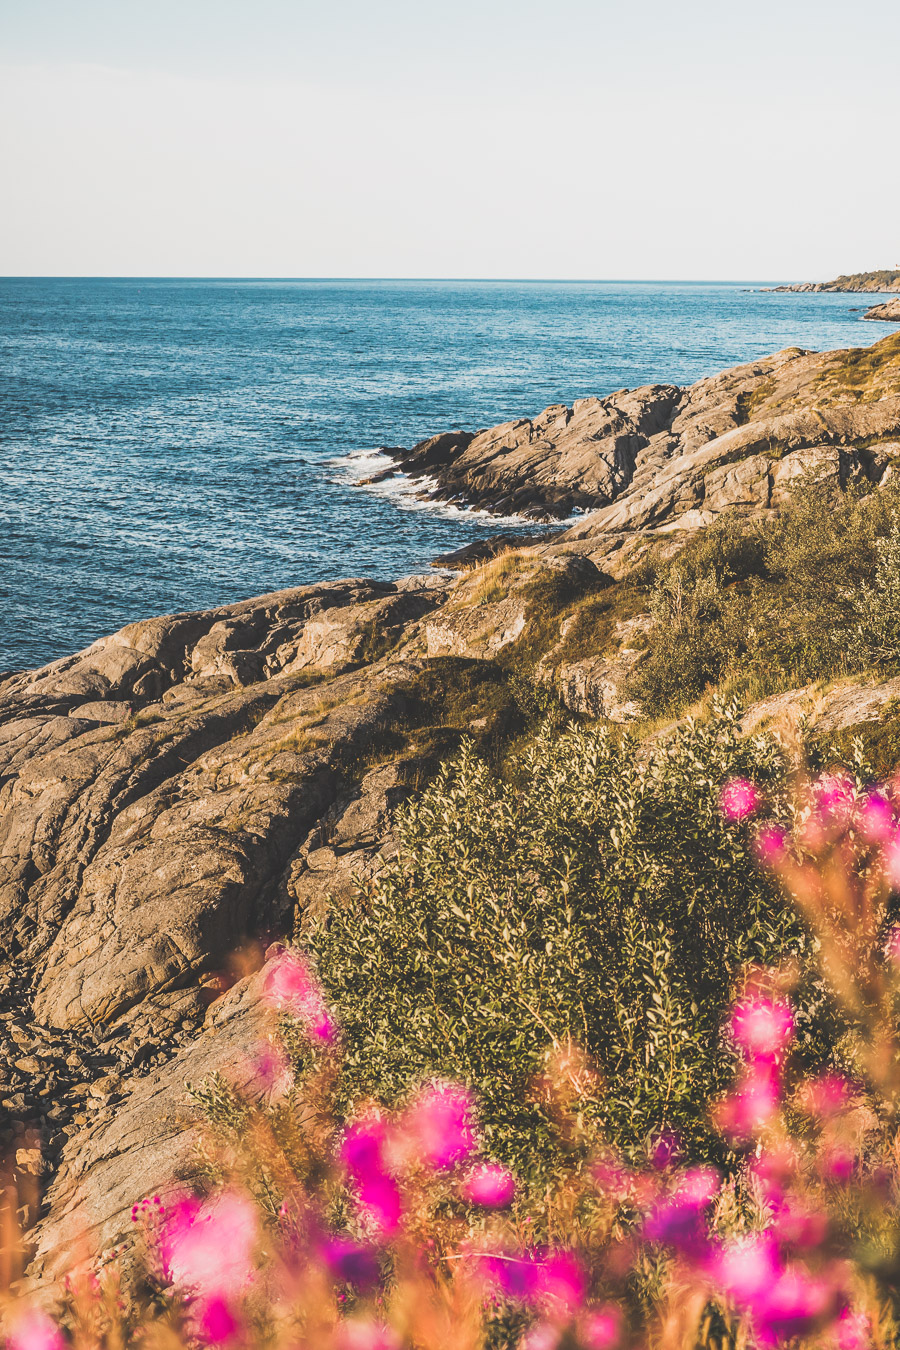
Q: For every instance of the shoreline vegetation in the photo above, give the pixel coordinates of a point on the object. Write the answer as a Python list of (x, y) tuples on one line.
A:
[(513, 816)]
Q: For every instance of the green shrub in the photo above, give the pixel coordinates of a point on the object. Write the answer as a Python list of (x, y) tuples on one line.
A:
[(600, 896)]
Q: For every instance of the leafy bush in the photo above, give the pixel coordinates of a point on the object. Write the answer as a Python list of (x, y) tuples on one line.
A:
[(601, 897)]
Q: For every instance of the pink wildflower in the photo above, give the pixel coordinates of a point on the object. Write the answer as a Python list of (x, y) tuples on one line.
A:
[(561, 1280), (679, 1220), (762, 1026), (439, 1124), (771, 845), (350, 1262), (853, 1331), (217, 1323), (665, 1148), (542, 1336), (210, 1246), (364, 1153), (824, 1096), (490, 1185), (752, 1104), (745, 1268), (797, 1304), (738, 798), (602, 1328), (291, 987), (876, 818), (34, 1330), (357, 1334)]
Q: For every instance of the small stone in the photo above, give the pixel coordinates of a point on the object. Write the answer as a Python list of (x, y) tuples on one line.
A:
[(105, 1087), (28, 1065), (30, 1160)]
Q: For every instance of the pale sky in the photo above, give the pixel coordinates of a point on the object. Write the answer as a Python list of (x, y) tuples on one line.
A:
[(480, 138)]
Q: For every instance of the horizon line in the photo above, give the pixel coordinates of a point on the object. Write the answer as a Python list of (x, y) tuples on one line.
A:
[(498, 281)]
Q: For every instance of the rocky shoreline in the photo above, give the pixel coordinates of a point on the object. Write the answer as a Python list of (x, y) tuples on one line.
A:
[(867, 282), (646, 457), (889, 311), (187, 791)]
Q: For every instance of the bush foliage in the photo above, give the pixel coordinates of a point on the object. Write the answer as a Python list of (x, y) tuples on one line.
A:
[(600, 897)]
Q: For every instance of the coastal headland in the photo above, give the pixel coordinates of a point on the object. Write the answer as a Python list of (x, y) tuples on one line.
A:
[(183, 793)]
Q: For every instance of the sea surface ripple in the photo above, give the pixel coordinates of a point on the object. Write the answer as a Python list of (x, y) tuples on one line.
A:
[(169, 445)]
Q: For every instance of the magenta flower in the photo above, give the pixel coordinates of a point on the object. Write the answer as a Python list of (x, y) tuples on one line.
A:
[(824, 1096), (853, 1331), (762, 1026), (364, 1153), (350, 1262), (209, 1246), (561, 1280), (665, 1148), (797, 1304), (771, 845), (359, 1334), (34, 1330), (439, 1124), (745, 1268), (217, 1323), (738, 798), (517, 1277), (890, 859), (291, 987), (753, 1103), (602, 1328), (679, 1220), (490, 1185), (876, 818)]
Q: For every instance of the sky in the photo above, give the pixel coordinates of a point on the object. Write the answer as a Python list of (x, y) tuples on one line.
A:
[(587, 139)]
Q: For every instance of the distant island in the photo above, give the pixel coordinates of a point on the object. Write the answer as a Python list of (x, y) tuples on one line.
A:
[(856, 281)]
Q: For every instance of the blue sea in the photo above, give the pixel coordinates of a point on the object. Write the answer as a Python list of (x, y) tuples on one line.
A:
[(172, 444)]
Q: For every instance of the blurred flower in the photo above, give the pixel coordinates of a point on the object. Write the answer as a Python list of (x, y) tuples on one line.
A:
[(356, 1334), (602, 1328), (738, 798), (679, 1221), (824, 1096), (745, 1267), (350, 1262), (439, 1124), (291, 987), (216, 1322), (489, 1184), (771, 845), (853, 1331), (876, 818), (271, 1069), (209, 1246), (796, 1304), (752, 1104), (665, 1148), (364, 1153), (762, 1026), (561, 1280), (34, 1330)]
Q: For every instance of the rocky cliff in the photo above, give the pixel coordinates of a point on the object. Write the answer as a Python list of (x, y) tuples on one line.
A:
[(890, 311), (184, 792), (649, 456)]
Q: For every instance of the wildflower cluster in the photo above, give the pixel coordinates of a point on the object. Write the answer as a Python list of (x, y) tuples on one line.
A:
[(398, 1233)]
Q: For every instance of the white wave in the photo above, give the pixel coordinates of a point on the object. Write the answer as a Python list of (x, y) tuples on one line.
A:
[(407, 493)]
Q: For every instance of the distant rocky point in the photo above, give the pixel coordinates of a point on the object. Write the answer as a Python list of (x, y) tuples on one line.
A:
[(856, 281), (890, 311)]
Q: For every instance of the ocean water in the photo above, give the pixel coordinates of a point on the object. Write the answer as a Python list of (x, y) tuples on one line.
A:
[(172, 445)]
